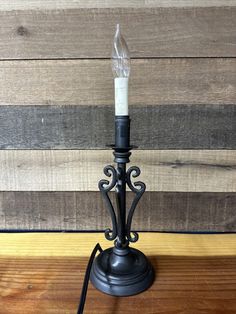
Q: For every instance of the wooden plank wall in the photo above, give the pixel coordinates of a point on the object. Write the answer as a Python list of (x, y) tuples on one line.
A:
[(56, 112)]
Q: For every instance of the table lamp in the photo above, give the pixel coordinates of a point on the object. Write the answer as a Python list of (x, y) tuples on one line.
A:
[(121, 270)]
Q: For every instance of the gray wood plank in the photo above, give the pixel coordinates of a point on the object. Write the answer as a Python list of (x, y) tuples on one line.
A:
[(80, 170), (87, 33), (92, 127), (7, 5), (157, 211), (161, 81)]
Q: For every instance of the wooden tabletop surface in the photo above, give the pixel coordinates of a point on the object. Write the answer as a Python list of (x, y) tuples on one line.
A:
[(43, 273)]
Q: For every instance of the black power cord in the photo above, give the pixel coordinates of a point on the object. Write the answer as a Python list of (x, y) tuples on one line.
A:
[(86, 278)]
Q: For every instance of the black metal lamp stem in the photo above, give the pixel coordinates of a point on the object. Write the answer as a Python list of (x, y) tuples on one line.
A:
[(121, 153), (121, 205)]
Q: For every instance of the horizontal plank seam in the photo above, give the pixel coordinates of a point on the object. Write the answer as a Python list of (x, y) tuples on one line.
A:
[(111, 105), (102, 231), (133, 58)]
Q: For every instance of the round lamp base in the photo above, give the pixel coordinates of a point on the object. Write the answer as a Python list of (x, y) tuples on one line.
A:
[(121, 272)]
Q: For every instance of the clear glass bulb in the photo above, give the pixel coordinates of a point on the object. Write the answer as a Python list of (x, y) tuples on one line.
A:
[(120, 56)]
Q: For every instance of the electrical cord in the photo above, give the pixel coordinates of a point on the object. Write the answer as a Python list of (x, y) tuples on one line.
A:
[(86, 278)]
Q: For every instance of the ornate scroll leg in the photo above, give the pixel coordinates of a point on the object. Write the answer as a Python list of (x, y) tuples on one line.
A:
[(105, 186), (138, 188)]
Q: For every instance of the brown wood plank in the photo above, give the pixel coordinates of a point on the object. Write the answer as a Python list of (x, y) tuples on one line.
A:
[(80, 170), (52, 285), (152, 127), (87, 32), (90, 82), (157, 211), (43, 273)]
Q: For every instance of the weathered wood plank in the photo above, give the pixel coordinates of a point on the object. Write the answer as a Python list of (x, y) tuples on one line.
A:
[(153, 127), (90, 82), (88, 32), (74, 4), (157, 211), (43, 273), (80, 170)]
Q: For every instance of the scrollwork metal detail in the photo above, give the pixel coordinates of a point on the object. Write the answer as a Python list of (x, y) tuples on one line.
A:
[(105, 186), (138, 188)]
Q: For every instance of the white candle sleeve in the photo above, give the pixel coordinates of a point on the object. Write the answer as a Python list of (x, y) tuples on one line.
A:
[(121, 96)]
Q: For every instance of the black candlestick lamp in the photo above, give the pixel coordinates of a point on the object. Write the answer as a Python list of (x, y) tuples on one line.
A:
[(121, 270)]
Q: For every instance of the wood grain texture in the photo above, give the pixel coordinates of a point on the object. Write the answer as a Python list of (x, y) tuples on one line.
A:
[(52, 285), (90, 82), (201, 279), (71, 170), (61, 244), (157, 211), (87, 32), (152, 127), (74, 4)]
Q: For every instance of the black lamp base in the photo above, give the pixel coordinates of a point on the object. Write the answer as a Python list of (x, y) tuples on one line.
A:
[(122, 272)]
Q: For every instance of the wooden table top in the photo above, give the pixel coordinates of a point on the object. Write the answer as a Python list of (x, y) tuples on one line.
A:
[(43, 273)]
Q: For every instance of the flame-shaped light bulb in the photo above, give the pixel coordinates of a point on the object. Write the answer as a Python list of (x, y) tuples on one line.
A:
[(120, 55), (121, 71)]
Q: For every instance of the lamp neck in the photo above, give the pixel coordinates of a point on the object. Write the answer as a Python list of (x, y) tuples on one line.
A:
[(122, 132)]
